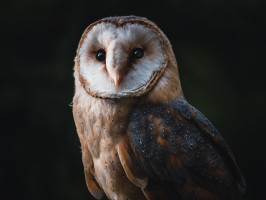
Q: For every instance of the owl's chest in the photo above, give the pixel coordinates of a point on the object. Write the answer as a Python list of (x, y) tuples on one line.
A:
[(103, 130)]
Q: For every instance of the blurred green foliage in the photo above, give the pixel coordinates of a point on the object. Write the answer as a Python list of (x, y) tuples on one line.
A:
[(219, 45)]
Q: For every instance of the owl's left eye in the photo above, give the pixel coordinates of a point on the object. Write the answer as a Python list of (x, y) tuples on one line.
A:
[(137, 53), (100, 55)]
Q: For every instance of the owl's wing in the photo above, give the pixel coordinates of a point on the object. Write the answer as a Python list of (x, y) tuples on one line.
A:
[(173, 151)]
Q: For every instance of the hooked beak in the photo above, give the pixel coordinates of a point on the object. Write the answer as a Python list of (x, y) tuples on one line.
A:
[(114, 69), (114, 75), (117, 80)]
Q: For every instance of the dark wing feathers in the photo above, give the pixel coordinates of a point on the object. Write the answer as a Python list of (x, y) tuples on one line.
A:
[(177, 147), (191, 113)]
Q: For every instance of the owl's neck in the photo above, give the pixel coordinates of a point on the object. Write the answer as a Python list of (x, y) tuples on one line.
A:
[(106, 112), (168, 87)]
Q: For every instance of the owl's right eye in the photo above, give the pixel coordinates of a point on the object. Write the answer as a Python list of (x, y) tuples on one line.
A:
[(100, 55)]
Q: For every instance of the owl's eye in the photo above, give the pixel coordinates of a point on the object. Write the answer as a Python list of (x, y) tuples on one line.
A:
[(137, 53), (100, 55)]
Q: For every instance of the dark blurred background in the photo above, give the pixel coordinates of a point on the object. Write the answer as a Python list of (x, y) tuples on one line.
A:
[(220, 47)]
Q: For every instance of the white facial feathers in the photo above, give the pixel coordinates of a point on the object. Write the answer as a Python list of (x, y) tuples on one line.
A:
[(132, 76)]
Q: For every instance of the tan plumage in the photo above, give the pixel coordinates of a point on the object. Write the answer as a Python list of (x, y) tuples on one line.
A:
[(140, 139)]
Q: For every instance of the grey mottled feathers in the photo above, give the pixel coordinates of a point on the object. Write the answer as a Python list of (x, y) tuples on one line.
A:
[(181, 153)]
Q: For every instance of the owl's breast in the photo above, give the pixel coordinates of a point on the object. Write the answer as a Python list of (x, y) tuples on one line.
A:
[(101, 126), (110, 175)]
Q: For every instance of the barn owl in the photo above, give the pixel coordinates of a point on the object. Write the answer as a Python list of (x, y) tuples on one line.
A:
[(140, 138)]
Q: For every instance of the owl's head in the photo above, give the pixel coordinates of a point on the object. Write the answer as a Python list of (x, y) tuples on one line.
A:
[(121, 57)]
